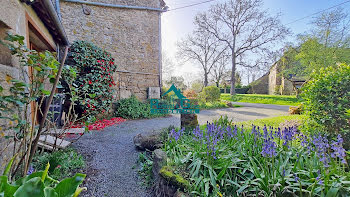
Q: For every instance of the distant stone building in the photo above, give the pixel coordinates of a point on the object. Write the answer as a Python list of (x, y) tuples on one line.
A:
[(130, 30), (272, 83)]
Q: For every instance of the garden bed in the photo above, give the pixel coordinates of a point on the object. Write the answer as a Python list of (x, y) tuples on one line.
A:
[(223, 159)]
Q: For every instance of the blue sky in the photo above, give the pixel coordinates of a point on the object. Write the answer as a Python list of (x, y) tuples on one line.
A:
[(178, 23)]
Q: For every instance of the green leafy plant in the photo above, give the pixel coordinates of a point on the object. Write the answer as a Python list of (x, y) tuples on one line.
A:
[(62, 163), (25, 94), (145, 171), (95, 68), (211, 93), (223, 121), (40, 184), (132, 108), (327, 97)]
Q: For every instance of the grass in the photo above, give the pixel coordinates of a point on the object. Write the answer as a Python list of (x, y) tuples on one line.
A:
[(262, 98), (273, 122)]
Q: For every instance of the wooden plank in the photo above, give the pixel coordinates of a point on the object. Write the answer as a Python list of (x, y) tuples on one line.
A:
[(71, 130), (45, 146), (49, 140)]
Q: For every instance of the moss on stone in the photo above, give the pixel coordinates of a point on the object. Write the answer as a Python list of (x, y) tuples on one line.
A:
[(167, 173)]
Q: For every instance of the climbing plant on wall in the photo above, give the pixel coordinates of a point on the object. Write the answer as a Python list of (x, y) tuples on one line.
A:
[(95, 68)]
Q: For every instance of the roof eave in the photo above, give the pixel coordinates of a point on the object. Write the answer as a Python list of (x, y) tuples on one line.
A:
[(47, 13)]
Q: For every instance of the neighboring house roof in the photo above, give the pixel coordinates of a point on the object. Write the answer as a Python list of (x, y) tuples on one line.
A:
[(47, 13)]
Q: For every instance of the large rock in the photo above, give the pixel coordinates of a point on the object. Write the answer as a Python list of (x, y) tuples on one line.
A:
[(180, 194), (159, 160), (149, 141)]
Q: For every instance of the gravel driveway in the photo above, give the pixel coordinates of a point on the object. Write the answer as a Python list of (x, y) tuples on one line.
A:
[(111, 155), (248, 111)]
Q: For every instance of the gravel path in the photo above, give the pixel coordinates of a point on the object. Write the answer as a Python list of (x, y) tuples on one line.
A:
[(248, 111), (111, 155)]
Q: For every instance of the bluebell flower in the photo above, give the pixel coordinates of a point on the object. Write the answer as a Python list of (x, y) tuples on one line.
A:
[(269, 148), (338, 150), (296, 178), (30, 170), (176, 134), (198, 134), (321, 147)]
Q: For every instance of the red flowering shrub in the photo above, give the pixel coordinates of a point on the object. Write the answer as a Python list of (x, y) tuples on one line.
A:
[(95, 68)]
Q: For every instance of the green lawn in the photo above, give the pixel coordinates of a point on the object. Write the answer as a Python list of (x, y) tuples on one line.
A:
[(273, 122), (262, 98)]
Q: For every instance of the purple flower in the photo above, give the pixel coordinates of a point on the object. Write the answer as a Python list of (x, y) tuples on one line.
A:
[(176, 134), (30, 170), (318, 178), (198, 134), (321, 147), (288, 135), (268, 147), (339, 151), (296, 178), (304, 140)]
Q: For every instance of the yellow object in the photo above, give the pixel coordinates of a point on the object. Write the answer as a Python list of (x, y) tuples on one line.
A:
[(8, 78)]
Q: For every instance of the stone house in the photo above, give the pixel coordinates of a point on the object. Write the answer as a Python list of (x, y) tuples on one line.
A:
[(130, 30), (272, 82)]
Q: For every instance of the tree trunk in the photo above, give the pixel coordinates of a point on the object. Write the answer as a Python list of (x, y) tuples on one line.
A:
[(233, 74), (205, 79)]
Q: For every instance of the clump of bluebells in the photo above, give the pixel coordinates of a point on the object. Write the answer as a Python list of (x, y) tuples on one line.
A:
[(287, 158)]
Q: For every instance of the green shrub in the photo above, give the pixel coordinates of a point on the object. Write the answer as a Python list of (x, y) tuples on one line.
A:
[(132, 108), (327, 97), (94, 80), (40, 184), (62, 163), (211, 93)]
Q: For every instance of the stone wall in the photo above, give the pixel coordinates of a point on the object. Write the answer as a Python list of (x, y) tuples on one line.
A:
[(272, 79), (130, 35), (260, 86)]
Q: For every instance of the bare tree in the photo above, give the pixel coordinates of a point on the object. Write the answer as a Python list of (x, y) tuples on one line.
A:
[(201, 47), (168, 67), (219, 70), (244, 28), (332, 28)]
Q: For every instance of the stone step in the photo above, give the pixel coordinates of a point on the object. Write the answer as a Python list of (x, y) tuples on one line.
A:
[(50, 140)]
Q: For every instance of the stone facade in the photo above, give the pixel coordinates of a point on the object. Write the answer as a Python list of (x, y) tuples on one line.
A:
[(260, 86), (272, 83), (132, 36)]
